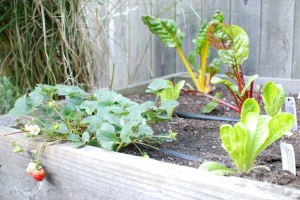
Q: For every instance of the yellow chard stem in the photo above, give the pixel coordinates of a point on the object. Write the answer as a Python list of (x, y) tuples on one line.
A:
[(203, 67), (187, 66)]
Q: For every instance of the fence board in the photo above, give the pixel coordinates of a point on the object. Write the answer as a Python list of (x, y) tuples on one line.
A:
[(296, 55), (139, 44), (247, 15), (163, 57), (119, 34), (99, 41), (277, 38)]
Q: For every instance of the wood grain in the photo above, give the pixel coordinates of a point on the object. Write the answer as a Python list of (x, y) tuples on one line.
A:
[(93, 173), (277, 38)]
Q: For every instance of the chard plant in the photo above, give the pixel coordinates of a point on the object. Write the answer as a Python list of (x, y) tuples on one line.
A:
[(166, 91), (104, 119), (232, 43), (249, 137), (171, 36)]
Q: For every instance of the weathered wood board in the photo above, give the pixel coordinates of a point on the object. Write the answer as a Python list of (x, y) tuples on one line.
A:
[(93, 173), (277, 28)]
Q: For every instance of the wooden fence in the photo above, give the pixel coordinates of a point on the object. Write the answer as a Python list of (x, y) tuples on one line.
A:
[(129, 53)]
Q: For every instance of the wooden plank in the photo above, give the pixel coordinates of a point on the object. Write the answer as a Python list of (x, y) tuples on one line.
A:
[(93, 173), (162, 57), (277, 38), (139, 43), (246, 14), (118, 33), (188, 20), (296, 54), (209, 9)]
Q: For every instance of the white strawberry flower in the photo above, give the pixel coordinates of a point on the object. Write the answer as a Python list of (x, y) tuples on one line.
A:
[(33, 129)]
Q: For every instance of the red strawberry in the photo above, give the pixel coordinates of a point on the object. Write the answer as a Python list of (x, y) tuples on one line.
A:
[(35, 169), (38, 174)]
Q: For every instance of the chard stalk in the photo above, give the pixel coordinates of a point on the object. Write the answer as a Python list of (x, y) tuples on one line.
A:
[(187, 66), (203, 68)]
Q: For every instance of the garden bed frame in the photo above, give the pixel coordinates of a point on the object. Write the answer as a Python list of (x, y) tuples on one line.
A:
[(94, 173)]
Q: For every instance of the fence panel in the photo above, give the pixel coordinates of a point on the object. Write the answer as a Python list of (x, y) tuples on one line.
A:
[(277, 38), (272, 27)]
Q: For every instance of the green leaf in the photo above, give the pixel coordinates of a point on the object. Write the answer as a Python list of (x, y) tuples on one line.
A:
[(250, 105), (215, 168), (232, 87), (257, 131), (78, 144), (88, 106), (106, 136), (273, 98), (165, 29), (67, 90), (278, 125), (210, 106), (248, 83), (62, 128), (192, 61), (235, 141), (232, 42), (73, 137), (201, 40), (20, 107), (214, 67), (68, 112), (157, 86), (85, 136), (36, 99)]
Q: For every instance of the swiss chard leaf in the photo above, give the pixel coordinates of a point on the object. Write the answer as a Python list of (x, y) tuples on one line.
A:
[(248, 83), (232, 87), (231, 41), (210, 106), (165, 29)]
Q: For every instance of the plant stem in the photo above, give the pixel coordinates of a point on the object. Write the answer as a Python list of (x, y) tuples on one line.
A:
[(187, 66), (203, 68)]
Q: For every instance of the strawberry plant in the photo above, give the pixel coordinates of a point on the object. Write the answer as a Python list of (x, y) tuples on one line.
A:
[(104, 119), (171, 36)]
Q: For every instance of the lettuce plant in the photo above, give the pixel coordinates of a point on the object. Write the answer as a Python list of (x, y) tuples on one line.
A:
[(171, 36), (249, 137), (167, 92), (273, 98)]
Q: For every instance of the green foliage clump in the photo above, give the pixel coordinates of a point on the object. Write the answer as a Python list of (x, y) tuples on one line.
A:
[(104, 119)]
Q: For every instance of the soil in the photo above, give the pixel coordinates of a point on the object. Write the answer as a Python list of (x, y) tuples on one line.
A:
[(200, 138)]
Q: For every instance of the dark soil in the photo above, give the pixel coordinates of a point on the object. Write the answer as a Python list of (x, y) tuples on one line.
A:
[(200, 138)]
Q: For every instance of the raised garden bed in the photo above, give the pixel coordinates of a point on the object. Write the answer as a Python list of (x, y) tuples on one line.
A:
[(93, 173)]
